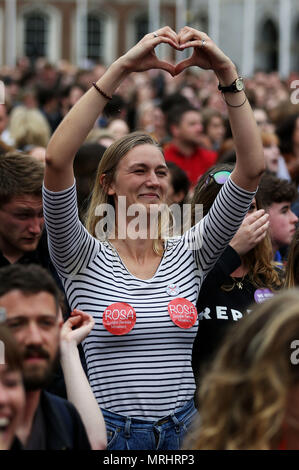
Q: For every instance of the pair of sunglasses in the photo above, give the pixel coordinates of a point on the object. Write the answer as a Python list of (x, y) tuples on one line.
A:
[(220, 177)]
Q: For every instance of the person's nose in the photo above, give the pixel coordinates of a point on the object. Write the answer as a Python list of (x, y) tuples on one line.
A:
[(153, 179), (294, 218), (33, 334), (36, 225)]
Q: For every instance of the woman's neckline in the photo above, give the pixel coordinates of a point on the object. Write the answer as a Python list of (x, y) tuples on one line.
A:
[(113, 248)]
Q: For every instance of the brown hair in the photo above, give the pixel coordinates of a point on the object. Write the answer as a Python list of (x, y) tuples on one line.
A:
[(29, 279), (273, 189), (19, 174), (207, 115)]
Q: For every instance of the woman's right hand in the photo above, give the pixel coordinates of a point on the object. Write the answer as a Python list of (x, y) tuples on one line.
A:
[(142, 56)]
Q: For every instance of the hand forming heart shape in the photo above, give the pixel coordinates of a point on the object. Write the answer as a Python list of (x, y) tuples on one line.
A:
[(205, 54)]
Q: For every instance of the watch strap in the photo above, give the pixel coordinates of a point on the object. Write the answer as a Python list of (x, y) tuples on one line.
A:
[(232, 88)]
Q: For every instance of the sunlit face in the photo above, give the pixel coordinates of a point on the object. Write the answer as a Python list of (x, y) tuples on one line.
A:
[(21, 225), (12, 402), (34, 322), (158, 118), (216, 129), (190, 128), (282, 224), (271, 154), (261, 118), (141, 176)]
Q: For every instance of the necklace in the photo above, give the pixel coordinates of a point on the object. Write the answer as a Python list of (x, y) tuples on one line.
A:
[(236, 282)]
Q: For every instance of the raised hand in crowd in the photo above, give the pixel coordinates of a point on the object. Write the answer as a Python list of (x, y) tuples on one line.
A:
[(76, 328), (253, 229)]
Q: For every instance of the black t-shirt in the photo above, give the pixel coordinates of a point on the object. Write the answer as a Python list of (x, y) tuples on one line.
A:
[(219, 309), (37, 438)]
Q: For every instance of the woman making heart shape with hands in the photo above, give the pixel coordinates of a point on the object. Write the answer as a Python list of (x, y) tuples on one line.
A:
[(142, 290)]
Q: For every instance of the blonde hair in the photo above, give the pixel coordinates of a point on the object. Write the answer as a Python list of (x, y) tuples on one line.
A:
[(108, 167), (29, 127), (243, 397)]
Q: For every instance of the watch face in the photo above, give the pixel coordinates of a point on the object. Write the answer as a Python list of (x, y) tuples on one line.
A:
[(239, 84)]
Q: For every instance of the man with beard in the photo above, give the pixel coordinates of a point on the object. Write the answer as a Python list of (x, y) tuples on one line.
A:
[(186, 147), (31, 301)]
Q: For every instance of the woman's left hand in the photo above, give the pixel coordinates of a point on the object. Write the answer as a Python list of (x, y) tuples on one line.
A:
[(206, 54)]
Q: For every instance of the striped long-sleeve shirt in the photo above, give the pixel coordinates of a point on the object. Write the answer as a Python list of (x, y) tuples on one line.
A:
[(147, 371)]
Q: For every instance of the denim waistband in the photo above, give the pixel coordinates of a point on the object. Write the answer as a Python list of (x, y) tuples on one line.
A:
[(173, 418)]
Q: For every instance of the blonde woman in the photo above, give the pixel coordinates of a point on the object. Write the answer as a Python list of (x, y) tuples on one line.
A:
[(249, 399), (136, 287), (29, 127)]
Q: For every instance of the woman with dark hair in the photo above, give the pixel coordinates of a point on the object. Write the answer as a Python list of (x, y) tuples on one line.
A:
[(249, 397), (140, 287), (243, 275), (12, 394)]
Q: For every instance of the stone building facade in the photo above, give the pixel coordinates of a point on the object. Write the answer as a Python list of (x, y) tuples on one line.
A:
[(256, 34)]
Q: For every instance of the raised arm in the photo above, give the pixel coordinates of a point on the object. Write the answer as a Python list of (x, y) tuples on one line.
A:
[(250, 158), (79, 392), (73, 130)]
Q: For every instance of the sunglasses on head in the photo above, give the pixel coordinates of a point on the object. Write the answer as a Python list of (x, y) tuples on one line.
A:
[(220, 177)]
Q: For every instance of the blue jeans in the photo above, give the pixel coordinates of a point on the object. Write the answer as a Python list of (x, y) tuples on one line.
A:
[(125, 433)]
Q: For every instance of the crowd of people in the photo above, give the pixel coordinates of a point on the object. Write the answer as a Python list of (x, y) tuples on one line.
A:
[(116, 336)]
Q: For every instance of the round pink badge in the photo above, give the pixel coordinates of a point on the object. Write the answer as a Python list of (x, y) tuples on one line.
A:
[(182, 312), (119, 318)]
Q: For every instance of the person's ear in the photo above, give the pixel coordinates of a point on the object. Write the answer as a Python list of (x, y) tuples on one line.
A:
[(109, 188)]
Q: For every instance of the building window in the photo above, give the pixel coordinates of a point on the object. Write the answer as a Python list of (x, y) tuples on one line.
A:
[(36, 35), (141, 26), (94, 37), (269, 46)]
